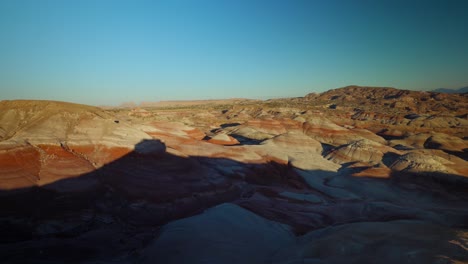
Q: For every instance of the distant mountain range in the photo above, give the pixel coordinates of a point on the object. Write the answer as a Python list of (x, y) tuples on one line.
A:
[(446, 90)]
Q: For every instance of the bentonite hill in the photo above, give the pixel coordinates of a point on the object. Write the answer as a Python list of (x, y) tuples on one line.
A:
[(351, 175)]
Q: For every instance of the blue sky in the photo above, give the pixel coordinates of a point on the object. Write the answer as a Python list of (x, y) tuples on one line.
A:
[(107, 52)]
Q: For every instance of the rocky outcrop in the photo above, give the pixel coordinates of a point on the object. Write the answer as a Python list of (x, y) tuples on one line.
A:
[(359, 151), (446, 143), (223, 139), (297, 150), (330, 133), (261, 129), (418, 162), (295, 142)]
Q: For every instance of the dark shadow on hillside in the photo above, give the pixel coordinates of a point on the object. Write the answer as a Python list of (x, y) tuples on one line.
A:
[(461, 154), (326, 148), (245, 140), (118, 208), (389, 158), (230, 125), (383, 134), (437, 182), (131, 196)]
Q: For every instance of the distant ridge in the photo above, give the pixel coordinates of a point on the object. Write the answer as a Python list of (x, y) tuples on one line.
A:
[(171, 103), (446, 90)]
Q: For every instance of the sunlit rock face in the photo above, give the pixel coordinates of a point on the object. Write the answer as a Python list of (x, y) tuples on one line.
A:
[(59, 140), (420, 162), (223, 139), (352, 175), (359, 151)]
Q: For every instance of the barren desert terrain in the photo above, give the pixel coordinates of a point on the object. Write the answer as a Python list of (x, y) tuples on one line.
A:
[(351, 175)]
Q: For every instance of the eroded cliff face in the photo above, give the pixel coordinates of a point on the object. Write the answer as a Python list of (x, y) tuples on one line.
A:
[(353, 175)]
